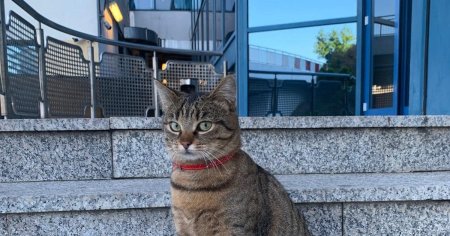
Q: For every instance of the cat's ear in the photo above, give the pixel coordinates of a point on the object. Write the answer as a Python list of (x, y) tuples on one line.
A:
[(167, 96), (225, 90)]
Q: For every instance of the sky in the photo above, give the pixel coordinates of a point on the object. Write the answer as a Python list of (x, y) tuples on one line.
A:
[(297, 41)]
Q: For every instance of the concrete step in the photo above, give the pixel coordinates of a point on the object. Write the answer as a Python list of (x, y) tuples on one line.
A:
[(333, 204), (84, 149)]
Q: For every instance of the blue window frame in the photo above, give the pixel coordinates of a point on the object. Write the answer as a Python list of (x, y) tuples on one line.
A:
[(386, 57)]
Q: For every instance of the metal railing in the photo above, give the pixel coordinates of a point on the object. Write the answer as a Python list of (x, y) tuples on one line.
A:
[(44, 77), (277, 93)]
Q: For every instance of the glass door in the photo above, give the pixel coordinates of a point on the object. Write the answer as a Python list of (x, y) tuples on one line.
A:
[(381, 57)]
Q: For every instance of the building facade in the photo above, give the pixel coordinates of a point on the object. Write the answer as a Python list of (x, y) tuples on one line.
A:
[(394, 52)]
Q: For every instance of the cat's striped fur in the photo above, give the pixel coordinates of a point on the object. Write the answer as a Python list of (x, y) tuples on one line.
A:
[(236, 198)]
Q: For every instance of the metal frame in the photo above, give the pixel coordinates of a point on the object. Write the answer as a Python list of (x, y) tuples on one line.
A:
[(4, 103), (243, 31), (344, 78), (394, 109), (27, 8), (419, 54), (242, 56), (92, 65)]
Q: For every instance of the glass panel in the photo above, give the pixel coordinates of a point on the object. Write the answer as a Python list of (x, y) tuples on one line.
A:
[(182, 5), (163, 4), (303, 53), (229, 19), (271, 12), (219, 24), (211, 24), (383, 42), (142, 4)]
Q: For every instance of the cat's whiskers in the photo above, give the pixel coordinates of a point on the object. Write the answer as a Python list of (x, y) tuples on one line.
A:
[(216, 166)]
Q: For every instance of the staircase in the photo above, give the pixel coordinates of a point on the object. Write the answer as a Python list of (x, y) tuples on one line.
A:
[(348, 175)]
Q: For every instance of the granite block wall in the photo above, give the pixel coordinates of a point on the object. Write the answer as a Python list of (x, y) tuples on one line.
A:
[(322, 219), (374, 218), (297, 151), (70, 155), (118, 222), (397, 218), (140, 153), (3, 230)]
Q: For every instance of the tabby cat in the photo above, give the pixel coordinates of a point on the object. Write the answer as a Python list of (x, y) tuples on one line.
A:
[(217, 189)]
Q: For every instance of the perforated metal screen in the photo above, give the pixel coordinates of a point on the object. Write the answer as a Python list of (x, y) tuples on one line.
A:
[(124, 85), (68, 85), (294, 97), (204, 72), (23, 67)]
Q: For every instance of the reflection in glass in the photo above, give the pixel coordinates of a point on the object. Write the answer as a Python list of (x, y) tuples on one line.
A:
[(272, 12), (285, 67), (383, 53)]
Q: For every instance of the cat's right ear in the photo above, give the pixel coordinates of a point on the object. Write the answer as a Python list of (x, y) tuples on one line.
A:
[(167, 96)]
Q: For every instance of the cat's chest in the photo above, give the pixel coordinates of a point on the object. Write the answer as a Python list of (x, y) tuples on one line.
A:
[(195, 201)]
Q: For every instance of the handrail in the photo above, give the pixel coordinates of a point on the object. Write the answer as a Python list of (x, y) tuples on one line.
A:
[(326, 74), (40, 18)]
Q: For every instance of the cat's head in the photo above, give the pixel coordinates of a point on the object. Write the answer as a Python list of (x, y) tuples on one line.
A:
[(200, 128)]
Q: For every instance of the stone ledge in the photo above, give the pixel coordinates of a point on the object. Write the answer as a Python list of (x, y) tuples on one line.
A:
[(308, 122), (148, 193), (33, 125)]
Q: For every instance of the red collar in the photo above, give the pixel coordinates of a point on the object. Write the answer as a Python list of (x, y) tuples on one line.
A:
[(203, 166)]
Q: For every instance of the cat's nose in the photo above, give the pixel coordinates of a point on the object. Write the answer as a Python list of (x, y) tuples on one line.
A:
[(186, 145)]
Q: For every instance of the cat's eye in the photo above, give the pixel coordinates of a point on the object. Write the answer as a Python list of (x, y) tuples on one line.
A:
[(174, 126), (204, 126)]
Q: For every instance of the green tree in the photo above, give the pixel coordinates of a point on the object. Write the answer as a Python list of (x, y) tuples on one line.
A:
[(338, 49)]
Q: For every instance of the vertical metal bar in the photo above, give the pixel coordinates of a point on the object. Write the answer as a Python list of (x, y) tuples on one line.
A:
[(313, 87), (275, 97), (214, 39), (42, 79), (155, 76), (225, 68), (426, 60), (92, 80), (242, 54), (359, 83), (4, 103), (207, 24), (224, 5)]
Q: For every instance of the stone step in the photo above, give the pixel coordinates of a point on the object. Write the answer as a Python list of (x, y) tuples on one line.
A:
[(333, 204), (85, 149), (303, 145)]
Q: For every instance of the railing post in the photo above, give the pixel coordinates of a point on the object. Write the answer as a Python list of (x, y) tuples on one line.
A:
[(42, 80), (313, 87), (224, 68), (92, 80), (275, 96), (3, 63), (155, 76)]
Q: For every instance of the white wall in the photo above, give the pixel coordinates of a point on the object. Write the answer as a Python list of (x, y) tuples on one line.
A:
[(170, 26), (80, 15)]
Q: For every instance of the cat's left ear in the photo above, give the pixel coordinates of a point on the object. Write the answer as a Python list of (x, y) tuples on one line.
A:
[(167, 96), (226, 90)]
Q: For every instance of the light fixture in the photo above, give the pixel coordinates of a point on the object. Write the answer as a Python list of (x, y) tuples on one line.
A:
[(115, 10)]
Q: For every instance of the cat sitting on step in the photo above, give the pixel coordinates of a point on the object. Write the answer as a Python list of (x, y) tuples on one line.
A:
[(217, 189)]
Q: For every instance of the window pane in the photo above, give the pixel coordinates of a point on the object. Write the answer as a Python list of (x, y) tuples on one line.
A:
[(271, 12), (229, 19), (383, 53), (309, 51), (142, 5), (182, 5)]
